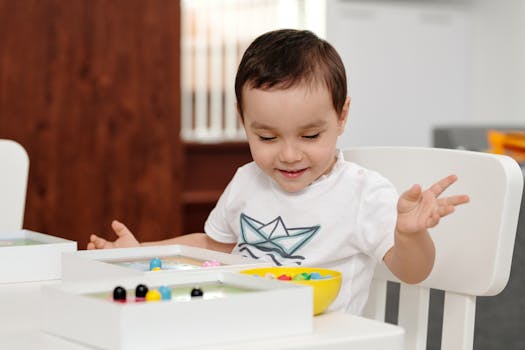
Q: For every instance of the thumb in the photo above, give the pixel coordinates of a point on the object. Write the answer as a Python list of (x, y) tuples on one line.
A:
[(120, 229), (413, 193)]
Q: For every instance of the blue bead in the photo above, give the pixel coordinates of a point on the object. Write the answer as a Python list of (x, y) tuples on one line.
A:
[(165, 292), (155, 264), (316, 276)]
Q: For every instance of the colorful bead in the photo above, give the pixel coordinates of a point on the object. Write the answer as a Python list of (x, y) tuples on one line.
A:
[(165, 292), (153, 295), (119, 294), (155, 264), (299, 277), (303, 276), (284, 277), (140, 292), (316, 276), (211, 263), (196, 292)]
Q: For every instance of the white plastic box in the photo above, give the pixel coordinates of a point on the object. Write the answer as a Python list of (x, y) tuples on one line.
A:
[(97, 264), (36, 259), (270, 309)]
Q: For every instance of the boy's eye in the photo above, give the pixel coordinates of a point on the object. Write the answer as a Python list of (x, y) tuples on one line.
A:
[(314, 136), (266, 138)]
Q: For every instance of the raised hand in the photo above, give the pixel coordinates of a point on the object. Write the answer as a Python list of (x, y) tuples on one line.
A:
[(419, 210), (125, 239)]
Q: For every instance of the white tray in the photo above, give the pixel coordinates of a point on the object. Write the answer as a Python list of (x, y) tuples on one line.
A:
[(96, 264), (270, 309), (37, 261)]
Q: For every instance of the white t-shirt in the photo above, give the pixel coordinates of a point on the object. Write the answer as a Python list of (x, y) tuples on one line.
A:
[(343, 221)]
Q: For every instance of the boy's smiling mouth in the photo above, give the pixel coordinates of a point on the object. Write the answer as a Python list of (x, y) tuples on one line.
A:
[(292, 174)]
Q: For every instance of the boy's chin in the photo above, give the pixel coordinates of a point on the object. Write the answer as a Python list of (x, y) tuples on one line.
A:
[(292, 188)]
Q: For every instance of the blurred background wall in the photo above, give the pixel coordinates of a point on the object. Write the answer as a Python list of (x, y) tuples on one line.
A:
[(417, 64)]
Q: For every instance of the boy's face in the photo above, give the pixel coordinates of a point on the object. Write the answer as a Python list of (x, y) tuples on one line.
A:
[(292, 132)]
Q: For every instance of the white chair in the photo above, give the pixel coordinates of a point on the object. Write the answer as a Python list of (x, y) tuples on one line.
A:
[(14, 168), (474, 246)]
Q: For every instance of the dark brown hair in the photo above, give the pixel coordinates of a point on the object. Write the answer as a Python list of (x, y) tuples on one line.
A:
[(288, 57)]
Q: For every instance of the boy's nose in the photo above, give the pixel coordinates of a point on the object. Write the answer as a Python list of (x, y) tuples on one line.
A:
[(290, 153)]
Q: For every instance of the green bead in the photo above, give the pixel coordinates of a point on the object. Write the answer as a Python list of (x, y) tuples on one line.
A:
[(299, 277)]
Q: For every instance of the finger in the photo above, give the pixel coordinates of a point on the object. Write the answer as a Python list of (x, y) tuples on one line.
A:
[(433, 220), (428, 201), (446, 210), (413, 194), (92, 240), (454, 200), (119, 228), (100, 243), (443, 184)]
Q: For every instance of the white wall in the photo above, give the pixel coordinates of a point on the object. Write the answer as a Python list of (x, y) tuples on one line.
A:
[(498, 61), (413, 65)]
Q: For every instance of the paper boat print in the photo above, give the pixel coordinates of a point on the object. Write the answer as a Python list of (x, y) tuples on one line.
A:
[(274, 236)]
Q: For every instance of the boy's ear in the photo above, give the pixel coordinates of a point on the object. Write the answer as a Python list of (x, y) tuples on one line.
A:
[(343, 117)]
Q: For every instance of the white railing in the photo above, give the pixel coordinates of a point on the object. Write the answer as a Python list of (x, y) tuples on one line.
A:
[(214, 34)]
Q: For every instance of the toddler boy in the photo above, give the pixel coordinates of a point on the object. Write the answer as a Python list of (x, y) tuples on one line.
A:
[(300, 202)]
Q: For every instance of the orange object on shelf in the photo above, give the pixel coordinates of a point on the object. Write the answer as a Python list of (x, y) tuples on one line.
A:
[(511, 143)]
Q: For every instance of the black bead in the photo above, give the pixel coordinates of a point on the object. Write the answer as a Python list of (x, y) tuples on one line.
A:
[(119, 293), (196, 292), (141, 291)]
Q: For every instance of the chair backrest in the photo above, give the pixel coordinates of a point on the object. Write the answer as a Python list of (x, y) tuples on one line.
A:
[(474, 246), (14, 168)]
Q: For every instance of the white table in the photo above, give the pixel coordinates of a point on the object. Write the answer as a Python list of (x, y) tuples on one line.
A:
[(20, 319)]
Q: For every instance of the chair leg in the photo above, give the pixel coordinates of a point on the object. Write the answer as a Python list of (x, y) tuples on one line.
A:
[(413, 315), (459, 315)]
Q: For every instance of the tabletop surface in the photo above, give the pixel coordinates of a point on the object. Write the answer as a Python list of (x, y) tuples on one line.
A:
[(20, 319)]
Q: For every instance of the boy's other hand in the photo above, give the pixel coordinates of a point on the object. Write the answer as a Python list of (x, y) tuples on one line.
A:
[(419, 210), (125, 239)]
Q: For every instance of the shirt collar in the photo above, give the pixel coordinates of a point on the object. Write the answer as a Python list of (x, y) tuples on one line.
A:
[(335, 169)]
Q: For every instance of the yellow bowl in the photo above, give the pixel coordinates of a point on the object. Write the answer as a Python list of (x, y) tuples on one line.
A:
[(325, 289)]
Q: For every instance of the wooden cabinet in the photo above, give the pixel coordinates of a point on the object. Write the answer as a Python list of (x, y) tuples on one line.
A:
[(207, 170), (91, 89)]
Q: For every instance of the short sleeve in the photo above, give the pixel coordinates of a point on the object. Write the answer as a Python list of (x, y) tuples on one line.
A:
[(377, 217), (217, 225)]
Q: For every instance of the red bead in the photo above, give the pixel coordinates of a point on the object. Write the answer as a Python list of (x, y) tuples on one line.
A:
[(284, 278)]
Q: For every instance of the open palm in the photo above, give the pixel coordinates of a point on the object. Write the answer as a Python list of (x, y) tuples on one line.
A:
[(418, 210)]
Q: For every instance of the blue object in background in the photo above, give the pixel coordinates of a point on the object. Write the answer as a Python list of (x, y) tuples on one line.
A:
[(155, 264)]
